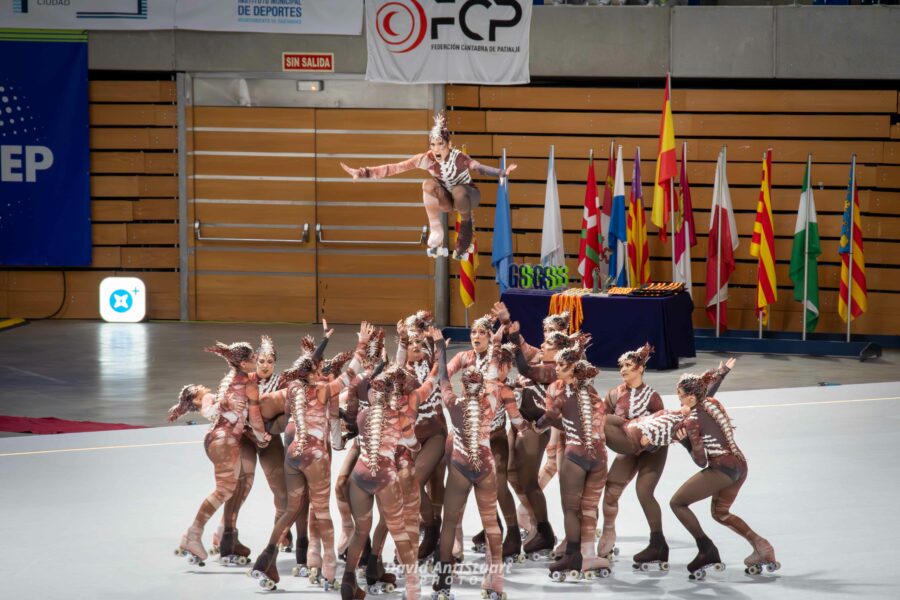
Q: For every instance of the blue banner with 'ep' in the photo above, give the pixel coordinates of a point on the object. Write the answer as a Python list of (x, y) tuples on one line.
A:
[(45, 204)]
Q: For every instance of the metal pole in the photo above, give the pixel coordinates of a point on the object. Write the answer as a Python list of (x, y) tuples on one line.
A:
[(759, 267), (441, 263), (182, 86), (719, 246), (672, 217), (806, 243), (627, 278), (850, 257)]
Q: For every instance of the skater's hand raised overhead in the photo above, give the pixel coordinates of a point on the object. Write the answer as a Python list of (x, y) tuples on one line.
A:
[(500, 311), (327, 332), (366, 330)]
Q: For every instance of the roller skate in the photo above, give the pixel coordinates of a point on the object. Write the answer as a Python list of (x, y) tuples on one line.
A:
[(217, 538), (429, 543), (707, 559), (464, 240), (655, 554), (479, 542), (606, 547), (231, 551), (559, 551), (265, 570), (191, 546), (301, 570), (493, 595), (437, 252), (377, 580), (442, 582), (541, 545), (350, 590), (762, 559), (512, 546), (286, 543), (569, 565)]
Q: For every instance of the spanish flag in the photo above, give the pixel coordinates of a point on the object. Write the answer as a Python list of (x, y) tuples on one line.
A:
[(762, 244), (665, 166), (467, 268)]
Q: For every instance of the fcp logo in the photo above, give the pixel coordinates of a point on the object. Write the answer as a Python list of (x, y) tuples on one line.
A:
[(403, 24)]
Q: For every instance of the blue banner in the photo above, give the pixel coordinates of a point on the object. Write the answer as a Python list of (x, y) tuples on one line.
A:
[(45, 200)]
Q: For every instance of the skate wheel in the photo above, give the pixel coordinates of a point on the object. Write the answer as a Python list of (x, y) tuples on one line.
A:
[(201, 563), (604, 573), (520, 558), (589, 575), (776, 566), (664, 566), (699, 574), (574, 574), (753, 570), (389, 588), (645, 567), (557, 576), (719, 567), (615, 551)]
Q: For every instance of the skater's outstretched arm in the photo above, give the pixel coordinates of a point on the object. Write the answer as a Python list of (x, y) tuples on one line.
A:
[(320, 349), (514, 334), (725, 367), (419, 161), (402, 343)]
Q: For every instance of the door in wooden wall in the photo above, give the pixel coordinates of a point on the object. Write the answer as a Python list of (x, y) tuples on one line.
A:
[(263, 176), (371, 260), (252, 196)]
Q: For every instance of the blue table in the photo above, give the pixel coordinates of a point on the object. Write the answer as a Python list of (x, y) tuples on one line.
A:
[(616, 324)]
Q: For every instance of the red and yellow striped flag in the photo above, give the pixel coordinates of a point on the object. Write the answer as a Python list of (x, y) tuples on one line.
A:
[(665, 167), (467, 268), (762, 245), (859, 295)]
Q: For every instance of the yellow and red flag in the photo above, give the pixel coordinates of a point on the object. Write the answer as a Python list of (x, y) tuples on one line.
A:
[(467, 268), (666, 166), (762, 245), (853, 264)]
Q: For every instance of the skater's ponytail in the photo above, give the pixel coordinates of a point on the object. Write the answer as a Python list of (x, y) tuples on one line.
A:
[(185, 402), (234, 354), (439, 131)]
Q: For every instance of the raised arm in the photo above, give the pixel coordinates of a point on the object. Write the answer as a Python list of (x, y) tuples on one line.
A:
[(402, 343), (418, 161), (724, 369)]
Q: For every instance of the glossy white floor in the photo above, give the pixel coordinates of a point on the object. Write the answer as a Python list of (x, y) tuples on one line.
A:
[(97, 515)]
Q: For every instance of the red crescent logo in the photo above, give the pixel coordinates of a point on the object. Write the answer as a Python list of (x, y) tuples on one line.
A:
[(400, 21)]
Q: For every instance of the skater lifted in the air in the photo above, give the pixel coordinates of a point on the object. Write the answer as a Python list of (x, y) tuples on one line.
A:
[(449, 188)]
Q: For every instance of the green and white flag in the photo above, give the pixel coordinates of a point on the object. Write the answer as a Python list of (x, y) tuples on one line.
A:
[(806, 251)]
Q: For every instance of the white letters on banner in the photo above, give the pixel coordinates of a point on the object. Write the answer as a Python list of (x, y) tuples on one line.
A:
[(333, 17), (448, 41)]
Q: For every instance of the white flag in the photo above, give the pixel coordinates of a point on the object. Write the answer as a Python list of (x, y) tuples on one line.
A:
[(552, 235)]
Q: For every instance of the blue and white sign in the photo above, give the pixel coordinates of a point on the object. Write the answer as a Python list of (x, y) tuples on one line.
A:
[(123, 300), (45, 204)]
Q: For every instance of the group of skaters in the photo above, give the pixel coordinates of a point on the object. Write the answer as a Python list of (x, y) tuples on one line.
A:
[(417, 445)]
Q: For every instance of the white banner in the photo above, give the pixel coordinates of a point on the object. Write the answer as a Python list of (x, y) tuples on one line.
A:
[(452, 41), (332, 17), (88, 14)]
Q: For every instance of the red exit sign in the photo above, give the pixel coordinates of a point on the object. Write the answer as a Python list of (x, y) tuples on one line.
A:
[(306, 61)]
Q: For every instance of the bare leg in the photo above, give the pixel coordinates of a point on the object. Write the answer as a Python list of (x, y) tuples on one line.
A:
[(319, 477)]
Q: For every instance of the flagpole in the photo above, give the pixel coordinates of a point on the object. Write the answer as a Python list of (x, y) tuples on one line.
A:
[(806, 243), (719, 248), (627, 277), (672, 218), (850, 258), (684, 224)]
